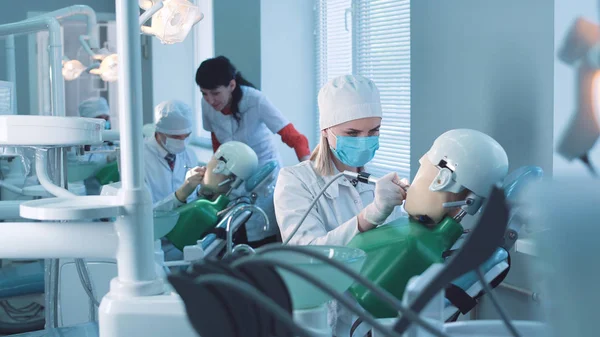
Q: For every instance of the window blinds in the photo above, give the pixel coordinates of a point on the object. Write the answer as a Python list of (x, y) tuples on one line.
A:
[(372, 38), (334, 43), (382, 53)]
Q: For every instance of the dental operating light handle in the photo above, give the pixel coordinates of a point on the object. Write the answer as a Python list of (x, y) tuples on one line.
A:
[(379, 292), (252, 293), (353, 307)]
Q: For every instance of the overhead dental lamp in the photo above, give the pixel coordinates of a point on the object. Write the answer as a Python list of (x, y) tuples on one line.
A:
[(72, 69), (109, 68), (172, 20), (580, 50)]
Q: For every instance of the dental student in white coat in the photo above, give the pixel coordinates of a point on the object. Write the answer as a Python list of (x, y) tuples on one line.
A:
[(350, 118), (171, 172)]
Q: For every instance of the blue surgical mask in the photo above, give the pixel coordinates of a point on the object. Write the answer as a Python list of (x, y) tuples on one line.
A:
[(107, 125), (355, 151)]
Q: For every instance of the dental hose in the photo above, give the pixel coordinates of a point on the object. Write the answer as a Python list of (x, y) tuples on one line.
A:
[(503, 315), (246, 290), (382, 294), (362, 177), (88, 287), (353, 307)]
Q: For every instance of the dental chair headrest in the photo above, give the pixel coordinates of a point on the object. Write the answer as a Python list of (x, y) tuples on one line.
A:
[(264, 176), (517, 180)]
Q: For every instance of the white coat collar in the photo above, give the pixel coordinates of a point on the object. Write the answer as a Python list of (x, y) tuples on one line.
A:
[(157, 148)]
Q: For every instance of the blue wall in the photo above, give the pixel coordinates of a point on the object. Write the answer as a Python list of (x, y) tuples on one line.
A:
[(288, 65), (237, 35), (486, 65)]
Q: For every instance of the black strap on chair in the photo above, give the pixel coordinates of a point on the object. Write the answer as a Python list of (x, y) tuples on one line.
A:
[(463, 301)]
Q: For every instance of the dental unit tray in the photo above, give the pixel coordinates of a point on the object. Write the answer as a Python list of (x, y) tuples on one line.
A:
[(49, 131), (61, 209)]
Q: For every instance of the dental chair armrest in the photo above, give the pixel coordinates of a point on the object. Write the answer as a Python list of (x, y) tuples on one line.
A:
[(462, 293)]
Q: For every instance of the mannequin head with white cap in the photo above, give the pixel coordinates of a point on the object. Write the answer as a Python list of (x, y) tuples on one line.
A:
[(461, 165), (95, 107), (350, 117), (173, 125)]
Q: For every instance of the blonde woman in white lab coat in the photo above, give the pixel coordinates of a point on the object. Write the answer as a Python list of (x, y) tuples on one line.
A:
[(350, 118)]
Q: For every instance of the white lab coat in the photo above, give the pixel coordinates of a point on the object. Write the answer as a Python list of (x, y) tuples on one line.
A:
[(162, 183), (333, 220), (260, 119), (160, 180)]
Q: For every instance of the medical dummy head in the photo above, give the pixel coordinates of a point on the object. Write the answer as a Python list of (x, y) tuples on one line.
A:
[(96, 107), (220, 83), (462, 164), (173, 125), (349, 117), (232, 163)]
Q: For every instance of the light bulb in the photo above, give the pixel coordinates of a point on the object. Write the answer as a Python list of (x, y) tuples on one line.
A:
[(72, 69), (173, 22)]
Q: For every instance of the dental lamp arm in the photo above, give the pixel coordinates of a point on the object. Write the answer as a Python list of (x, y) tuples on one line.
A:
[(148, 13), (66, 13), (83, 40)]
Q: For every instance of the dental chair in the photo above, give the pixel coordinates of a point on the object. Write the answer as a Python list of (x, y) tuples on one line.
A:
[(463, 294), (236, 214)]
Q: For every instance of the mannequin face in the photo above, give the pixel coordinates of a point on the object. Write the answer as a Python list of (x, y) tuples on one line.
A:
[(420, 201), (211, 181)]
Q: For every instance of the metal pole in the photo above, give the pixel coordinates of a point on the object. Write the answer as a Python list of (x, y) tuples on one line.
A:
[(135, 256), (11, 65)]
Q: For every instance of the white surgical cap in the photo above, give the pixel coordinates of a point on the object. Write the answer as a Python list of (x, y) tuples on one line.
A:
[(347, 98), (173, 118), (94, 107)]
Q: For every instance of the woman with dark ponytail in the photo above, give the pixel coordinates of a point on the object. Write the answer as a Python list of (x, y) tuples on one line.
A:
[(233, 109)]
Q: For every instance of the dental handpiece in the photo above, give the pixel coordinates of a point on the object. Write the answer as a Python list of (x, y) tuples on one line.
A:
[(363, 177)]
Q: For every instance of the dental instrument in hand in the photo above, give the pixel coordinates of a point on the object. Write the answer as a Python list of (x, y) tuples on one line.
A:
[(362, 177)]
